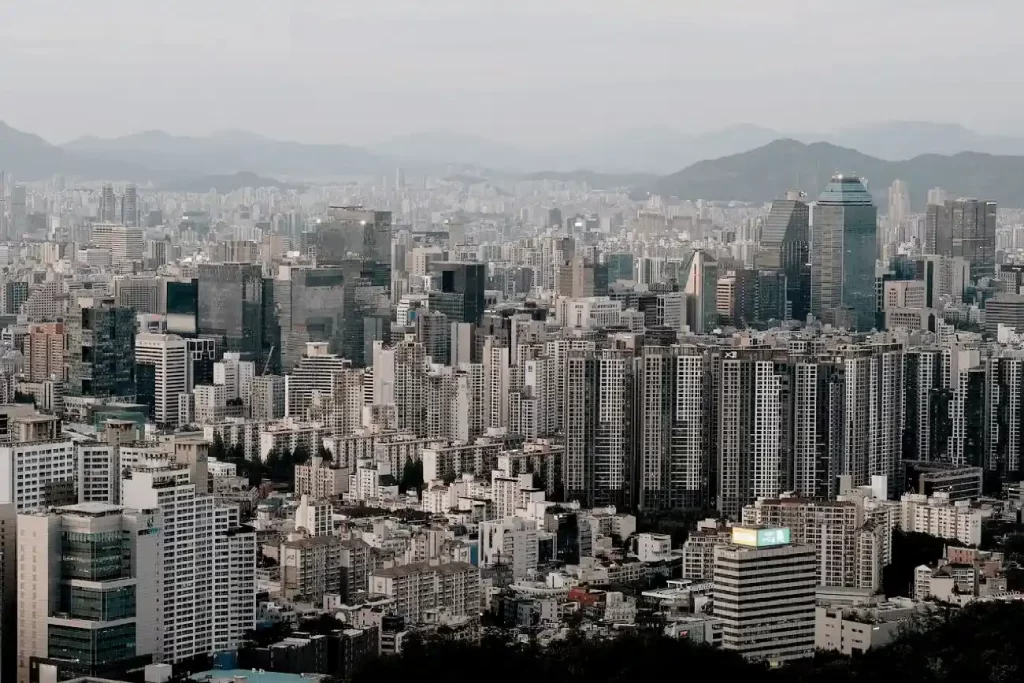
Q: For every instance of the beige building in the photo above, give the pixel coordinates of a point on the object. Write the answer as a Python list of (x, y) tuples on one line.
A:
[(417, 588)]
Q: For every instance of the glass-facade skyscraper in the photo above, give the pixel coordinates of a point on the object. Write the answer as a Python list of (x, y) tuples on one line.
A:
[(785, 247), (843, 254), (231, 307)]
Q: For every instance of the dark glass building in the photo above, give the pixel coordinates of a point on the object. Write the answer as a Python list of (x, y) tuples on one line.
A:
[(460, 293), (231, 307), (843, 253), (785, 248), (101, 352), (354, 233)]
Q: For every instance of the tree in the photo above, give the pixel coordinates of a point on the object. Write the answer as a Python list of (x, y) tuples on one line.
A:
[(300, 455), (323, 453), (217, 450), (412, 476), (909, 551)]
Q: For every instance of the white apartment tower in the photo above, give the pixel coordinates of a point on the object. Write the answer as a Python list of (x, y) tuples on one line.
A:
[(209, 562)]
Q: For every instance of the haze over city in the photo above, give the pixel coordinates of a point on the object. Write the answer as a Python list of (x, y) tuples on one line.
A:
[(535, 72)]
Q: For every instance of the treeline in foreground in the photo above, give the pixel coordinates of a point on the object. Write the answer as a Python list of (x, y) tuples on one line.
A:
[(984, 642)]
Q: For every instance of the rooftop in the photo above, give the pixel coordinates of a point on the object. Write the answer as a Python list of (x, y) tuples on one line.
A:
[(419, 567), (249, 676)]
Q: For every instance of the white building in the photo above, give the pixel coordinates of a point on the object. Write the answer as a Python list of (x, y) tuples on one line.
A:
[(510, 541), (168, 355), (417, 588), (38, 474), (937, 516), (209, 562)]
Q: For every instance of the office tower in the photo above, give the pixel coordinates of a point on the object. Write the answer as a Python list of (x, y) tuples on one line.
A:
[(8, 582), (598, 410), (460, 293), (101, 351), (86, 599), (785, 248), (310, 307), (672, 470), (701, 292), (620, 267), (145, 295), (130, 207), (589, 278), (161, 375), (355, 233), (555, 218), (771, 295), (15, 294), (936, 195), (843, 252), (764, 595), (231, 308), (108, 205), (45, 349), (207, 582), (899, 203), (964, 228), (42, 474), (181, 301)]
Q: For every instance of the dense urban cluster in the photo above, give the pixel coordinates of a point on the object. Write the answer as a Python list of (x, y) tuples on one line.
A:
[(344, 429)]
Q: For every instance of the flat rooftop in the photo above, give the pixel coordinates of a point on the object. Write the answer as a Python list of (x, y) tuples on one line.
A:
[(249, 676)]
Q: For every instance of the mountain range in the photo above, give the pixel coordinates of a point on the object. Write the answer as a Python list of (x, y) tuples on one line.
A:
[(765, 173), (741, 162)]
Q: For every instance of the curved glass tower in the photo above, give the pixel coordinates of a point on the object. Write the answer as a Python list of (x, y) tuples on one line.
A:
[(843, 254)]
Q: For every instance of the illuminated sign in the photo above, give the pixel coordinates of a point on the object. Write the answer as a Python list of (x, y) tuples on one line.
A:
[(760, 538), (767, 537), (744, 536)]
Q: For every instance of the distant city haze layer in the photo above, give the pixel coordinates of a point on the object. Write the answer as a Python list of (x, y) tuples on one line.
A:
[(531, 72)]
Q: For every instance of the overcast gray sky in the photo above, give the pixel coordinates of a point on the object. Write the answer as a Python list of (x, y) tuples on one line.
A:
[(513, 70)]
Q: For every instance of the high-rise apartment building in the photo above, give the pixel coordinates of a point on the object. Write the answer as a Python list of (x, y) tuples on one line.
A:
[(599, 426), (207, 583), (764, 595), (46, 346), (108, 205), (86, 602), (843, 253)]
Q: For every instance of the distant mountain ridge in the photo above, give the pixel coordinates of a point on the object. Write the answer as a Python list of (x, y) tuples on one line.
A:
[(765, 173)]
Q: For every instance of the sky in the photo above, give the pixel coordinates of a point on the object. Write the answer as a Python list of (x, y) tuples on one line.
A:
[(540, 71)]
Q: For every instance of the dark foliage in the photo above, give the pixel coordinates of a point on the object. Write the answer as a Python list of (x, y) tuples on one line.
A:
[(909, 551), (984, 642), (675, 523), (412, 476)]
